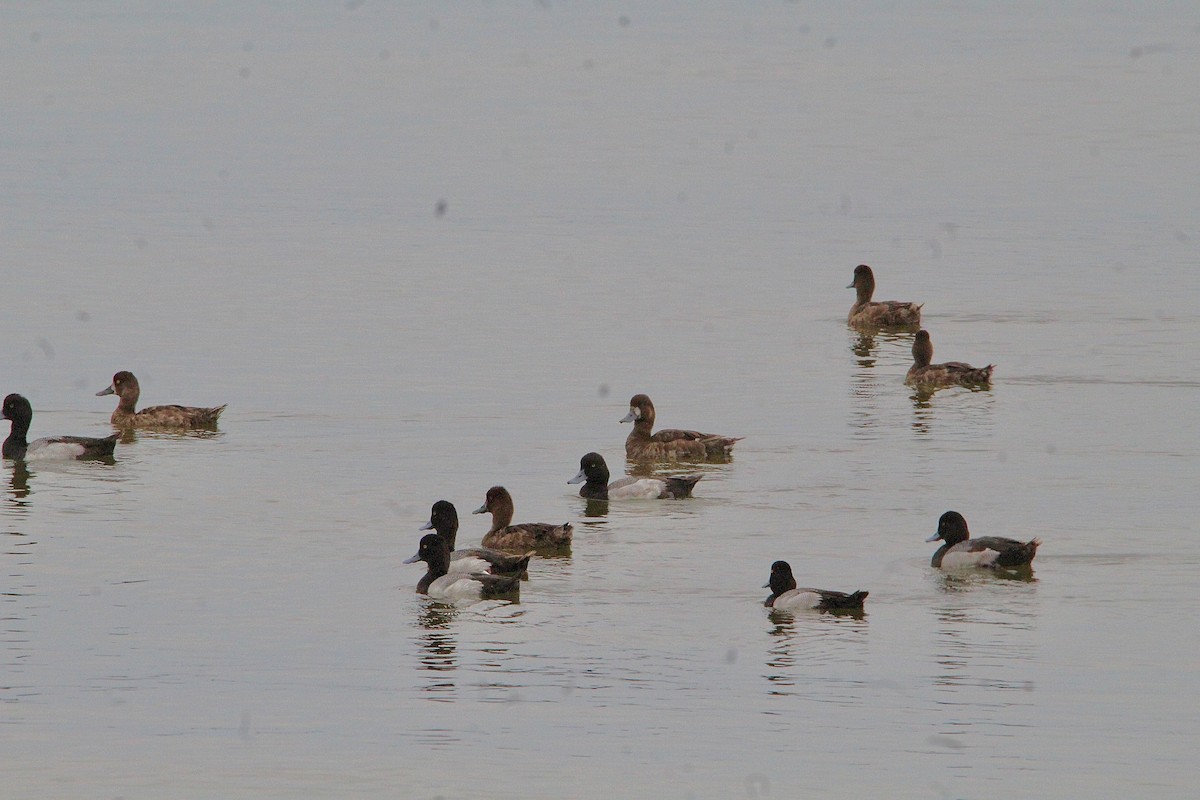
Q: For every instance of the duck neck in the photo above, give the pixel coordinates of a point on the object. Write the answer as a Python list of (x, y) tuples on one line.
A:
[(642, 426), (127, 403), (448, 530), (595, 488), (438, 565), (501, 517), (20, 427), (863, 289), (15, 445), (922, 351)]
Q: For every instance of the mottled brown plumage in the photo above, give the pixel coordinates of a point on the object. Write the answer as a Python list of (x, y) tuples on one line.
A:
[(126, 415), (670, 444), (542, 537), (880, 314), (925, 375)]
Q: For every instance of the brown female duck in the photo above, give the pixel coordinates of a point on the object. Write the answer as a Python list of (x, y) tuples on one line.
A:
[(443, 518), (125, 386), (671, 443), (504, 535), (925, 375), (881, 314)]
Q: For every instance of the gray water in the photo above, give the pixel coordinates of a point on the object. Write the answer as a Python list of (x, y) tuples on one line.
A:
[(421, 250)]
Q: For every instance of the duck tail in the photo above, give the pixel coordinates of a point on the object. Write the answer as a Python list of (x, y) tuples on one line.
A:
[(681, 485), (523, 565)]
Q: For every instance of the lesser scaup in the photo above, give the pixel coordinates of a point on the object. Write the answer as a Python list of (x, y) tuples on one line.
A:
[(125, 386), (922, 374), (443, 518), (17, 409), (593, 474), (785, 596), (504, 535), (457, 587), (960, 550), (669, 444), (883, 313)]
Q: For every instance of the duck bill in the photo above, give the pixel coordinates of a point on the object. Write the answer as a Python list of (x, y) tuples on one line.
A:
[(412, 560), (851, 286), (767, 585), (109, 390), (630, 417), (428, 526), (934, 538), (579, 477), (481, 510)]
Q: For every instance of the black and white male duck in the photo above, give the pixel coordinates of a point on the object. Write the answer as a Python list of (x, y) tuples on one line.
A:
[(669, 444), (457, 587), (924, 375), (125, 387), (443, 518), (16, 447), (785, 596), (960, 551), (593, 474), (882, 313), (541, 536)]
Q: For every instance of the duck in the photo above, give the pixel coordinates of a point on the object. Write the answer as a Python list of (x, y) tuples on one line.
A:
[(593, 474), (960, 550), (443, 518), (785, 596), (16, 447), (934, 376), (504, 535), (669, 444), (883, 313), (457, 587), (125, 386)]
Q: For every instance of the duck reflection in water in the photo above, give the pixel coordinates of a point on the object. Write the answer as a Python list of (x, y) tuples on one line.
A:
[(18, 484), (595, 508), (439, 650)]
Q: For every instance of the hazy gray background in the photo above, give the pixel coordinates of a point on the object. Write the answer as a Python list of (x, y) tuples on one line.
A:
[(240, 204)]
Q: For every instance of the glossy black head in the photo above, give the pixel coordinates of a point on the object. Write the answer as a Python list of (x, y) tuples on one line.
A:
[(952, 528), (782, 579), (17, 409), (443, 518)]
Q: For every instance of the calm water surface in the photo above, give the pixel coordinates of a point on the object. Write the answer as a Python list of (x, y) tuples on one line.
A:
[(423, 251)]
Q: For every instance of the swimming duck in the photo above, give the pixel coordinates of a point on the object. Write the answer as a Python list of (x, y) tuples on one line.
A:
[(443, 518), (125, 386), (17, 409), (669, 444), (952, 373), (885, 313), (506, 536), (457, 587), (593, 474), (960, 550), (786, 597)]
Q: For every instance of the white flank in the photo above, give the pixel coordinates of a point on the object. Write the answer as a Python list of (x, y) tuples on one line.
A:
[(642, 488), (958, 559), (468, 564), (46, 449), (796, 600), (454, 588)]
